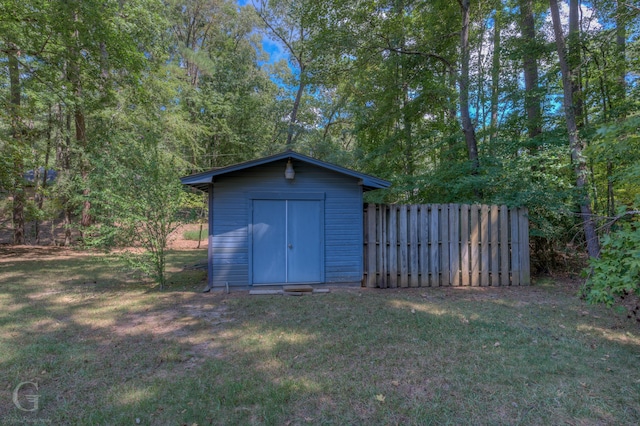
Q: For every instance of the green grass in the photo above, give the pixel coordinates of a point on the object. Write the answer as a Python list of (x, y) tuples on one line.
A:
[(194, 234), (105, 349)]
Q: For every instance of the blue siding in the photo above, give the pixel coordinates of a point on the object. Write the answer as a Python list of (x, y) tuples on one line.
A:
[(231, 213)]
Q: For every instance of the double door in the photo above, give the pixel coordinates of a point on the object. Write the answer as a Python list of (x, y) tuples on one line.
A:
[(287, 241)]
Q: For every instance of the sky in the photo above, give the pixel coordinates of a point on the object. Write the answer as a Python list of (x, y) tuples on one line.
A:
[(275, 51)]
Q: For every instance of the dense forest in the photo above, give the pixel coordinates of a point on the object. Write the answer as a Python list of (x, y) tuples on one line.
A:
[(520, 102)]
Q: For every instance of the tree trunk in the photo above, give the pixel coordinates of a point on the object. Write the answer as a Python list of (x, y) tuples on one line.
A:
[(574, 61), (467, 124), (619, 93), (621, 47), (495, 75), (530, 65), (450, 76), (575, 144), (81, 139), (293, 119), (80, 124), (67, 167), (43, 185), (407, 129), (17, 190)]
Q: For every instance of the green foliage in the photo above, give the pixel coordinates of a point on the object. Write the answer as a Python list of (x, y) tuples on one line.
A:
[(139, 209), (617, 271)]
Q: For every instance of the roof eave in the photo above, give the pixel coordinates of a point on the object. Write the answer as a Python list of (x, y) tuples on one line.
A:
[(203, 179)]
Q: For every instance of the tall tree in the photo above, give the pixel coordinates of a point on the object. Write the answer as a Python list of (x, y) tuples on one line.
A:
[(532, 100), (574, 60), (289, 24), (17, 149), (495, 71), (468, 127), (576, 145)]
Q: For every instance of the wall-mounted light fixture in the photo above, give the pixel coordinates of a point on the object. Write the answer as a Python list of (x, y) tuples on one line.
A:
[(289, 173)]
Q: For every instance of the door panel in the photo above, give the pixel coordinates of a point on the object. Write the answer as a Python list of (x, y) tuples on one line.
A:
[(305, 249), (269, 241)]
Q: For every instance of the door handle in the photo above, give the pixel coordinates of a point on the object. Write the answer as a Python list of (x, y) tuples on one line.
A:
[(290, 246)]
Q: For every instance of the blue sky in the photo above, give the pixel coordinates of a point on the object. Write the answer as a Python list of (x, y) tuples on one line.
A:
[(275, 51)]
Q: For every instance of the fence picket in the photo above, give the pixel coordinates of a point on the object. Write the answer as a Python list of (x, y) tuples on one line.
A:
[(474, 251), (464, 243), (504, 246), (495, 248), (382, 246), (515, 247), (484, 245), (454, 244), (525, 272), (393, 246), (444, 248), (404, 242), (434, 237), (424, 246), (413, 246)]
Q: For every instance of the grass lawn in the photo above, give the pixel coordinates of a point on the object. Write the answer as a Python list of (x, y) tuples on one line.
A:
[(106, 348), (196, 234)]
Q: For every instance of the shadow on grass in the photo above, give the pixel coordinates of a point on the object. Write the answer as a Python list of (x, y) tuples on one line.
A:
[(108, 350)]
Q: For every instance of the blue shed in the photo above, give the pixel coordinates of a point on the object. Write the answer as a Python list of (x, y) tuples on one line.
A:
[(284, 219)]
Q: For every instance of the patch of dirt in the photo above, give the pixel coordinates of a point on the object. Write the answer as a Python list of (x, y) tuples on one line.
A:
[(12, 253), (536, 293), (51, 235), (631, 302), (177, 241), (190, 318), (47, 233)]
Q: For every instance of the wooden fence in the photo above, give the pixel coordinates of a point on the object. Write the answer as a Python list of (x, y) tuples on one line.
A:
[(430, 245)]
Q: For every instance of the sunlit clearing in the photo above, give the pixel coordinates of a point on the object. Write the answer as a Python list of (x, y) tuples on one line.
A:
[(613, 336), (133, 396), (260, 341), (427, 308)]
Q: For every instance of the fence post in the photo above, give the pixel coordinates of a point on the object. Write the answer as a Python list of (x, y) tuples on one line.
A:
[(371, 245)]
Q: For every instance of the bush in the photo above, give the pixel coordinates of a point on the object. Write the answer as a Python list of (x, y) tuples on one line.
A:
[(617, 271)]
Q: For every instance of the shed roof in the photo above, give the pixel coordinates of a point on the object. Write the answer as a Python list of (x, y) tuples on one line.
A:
[(203, 179)]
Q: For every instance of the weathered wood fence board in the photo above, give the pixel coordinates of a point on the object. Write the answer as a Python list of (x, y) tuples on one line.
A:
[(424, 245)]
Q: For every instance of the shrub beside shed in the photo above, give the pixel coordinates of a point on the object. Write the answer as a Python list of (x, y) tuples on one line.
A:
[(284, 219)]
